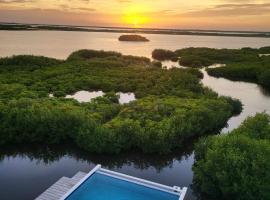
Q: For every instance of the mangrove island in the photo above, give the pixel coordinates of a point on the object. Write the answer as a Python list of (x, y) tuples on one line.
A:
[(133, 38)]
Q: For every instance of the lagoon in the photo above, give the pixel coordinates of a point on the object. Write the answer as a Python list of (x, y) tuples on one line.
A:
[(59, 44), (41, 166)]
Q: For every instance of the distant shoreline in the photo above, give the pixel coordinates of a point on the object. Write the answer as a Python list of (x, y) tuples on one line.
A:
[(38, 27)]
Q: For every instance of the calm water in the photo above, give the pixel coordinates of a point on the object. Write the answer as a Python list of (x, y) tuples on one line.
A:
[(254, 98), (60, 44), (32, 170), (86, 96)]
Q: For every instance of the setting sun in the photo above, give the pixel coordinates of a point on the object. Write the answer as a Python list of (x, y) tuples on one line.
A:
[(135, 20), (136, 16)]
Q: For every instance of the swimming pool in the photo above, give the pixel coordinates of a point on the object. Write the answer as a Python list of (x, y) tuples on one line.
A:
[(102, 184)]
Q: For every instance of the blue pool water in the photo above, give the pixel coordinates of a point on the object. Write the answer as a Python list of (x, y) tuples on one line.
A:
[(102, 187)]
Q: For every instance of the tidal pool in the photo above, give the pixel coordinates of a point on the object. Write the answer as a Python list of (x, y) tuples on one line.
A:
[(126, 97), (85, 96)]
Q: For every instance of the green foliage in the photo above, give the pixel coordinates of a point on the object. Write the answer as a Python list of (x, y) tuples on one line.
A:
[(157, 64), (15, 91), (208, 56), (129, 60), (174, 59), (45, 121), (195, 72), (246, 71), (162, 124), (133, 38), (257, 71), (237, 105), (264, 78), (244, 64), (106, 75), (172, 105), (86, 54), (162, 54), (150, 124), (26, 62), (264, 50), (255, 127), (194, 61), (237, 165)]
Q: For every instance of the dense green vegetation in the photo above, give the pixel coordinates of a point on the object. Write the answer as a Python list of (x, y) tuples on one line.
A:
[(172, 105), (133, 38), (237, 165), (203, 57), (86, 54), (244, 64), (162, 54), (111, 57), (257, 70), (26, 62)]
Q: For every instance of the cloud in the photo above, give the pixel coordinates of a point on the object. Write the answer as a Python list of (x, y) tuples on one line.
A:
[(56, 16), (86, 9), (67, 8), (15, 1), (224, 10), (124, 1)]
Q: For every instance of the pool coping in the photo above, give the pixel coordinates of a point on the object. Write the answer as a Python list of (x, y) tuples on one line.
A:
[(175, 190), (80, 182)]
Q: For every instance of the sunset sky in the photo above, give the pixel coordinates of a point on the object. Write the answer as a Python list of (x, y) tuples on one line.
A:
[(183, 14)]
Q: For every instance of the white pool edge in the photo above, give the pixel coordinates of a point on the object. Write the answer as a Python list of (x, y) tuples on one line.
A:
[(80, 182), (181, 192), (139, 181)]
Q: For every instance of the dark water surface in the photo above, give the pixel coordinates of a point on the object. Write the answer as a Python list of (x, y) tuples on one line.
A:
[(25, 172)]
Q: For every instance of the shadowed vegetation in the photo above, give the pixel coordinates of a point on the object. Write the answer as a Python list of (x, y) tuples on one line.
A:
[(133, 38), (162, 54)]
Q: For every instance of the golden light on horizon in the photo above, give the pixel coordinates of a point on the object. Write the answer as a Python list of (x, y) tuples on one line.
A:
[(180, 14), (135, 20), (135, 16)]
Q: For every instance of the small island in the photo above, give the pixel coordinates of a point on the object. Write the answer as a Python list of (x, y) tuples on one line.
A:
[(133, 38)]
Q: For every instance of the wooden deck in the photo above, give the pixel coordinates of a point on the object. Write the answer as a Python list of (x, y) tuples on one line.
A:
[(61, 187)]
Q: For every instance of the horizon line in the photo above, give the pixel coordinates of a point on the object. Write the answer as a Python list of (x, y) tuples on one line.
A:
[(136, 28)]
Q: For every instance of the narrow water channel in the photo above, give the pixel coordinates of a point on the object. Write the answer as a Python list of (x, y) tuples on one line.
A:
[(254, 98)]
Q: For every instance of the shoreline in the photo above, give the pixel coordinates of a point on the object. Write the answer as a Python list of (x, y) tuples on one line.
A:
[(35, 27)]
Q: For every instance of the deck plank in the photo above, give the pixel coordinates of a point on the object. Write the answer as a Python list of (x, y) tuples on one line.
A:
[(61, 187)]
